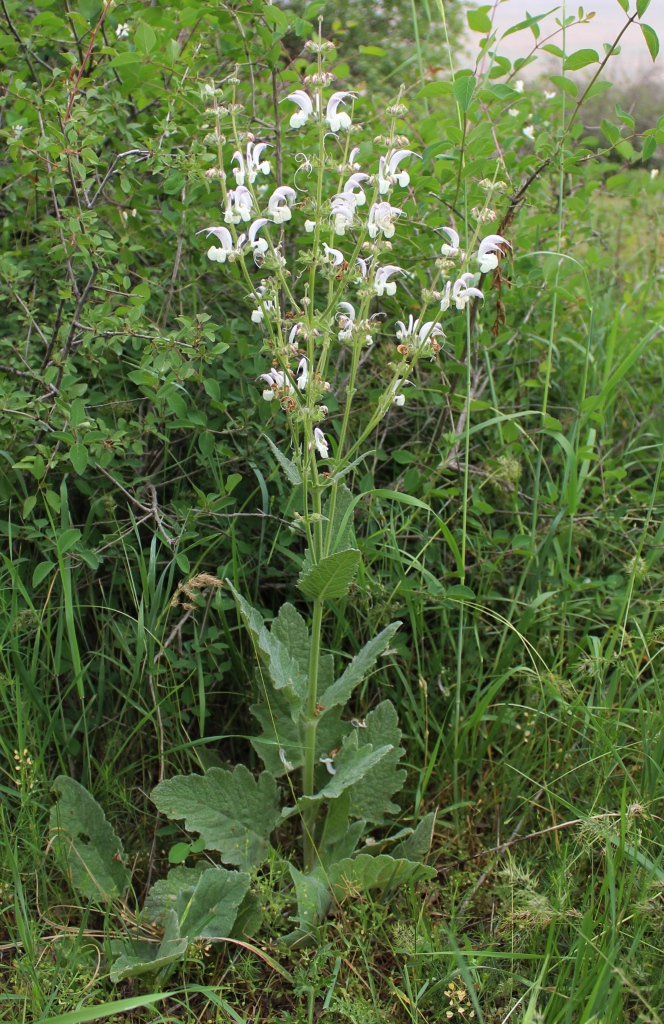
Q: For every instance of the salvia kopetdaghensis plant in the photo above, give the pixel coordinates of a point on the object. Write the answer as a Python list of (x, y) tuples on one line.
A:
[(317, 256)]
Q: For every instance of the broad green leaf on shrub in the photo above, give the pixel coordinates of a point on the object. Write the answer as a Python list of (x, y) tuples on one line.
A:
[(641, 7), (649, 147), (581, 59), (365, 873), (89, 851), (417, 845), (611, 131), (435, 89), (285, 671), (78, 455), (358, 668), (652, 40), (331, 577), (479, 20), (463, 90), (145, 38), (232, 811), (289, 468), (42, 569), (141, 957), (351, 765), (281, 733), (205, 898), (371, 797)]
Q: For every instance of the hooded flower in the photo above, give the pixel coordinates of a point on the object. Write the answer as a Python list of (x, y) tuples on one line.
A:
[(301, 116), (461, 292), (343, 211), (490, 251), (260, 244), (335, 256), (452, 249), (397, 397), (381, 218), (302, 373), (276, 381), (219, 254), (239, 205), (278, 206), (382, 283), (353, 183), (346, 320), (336, 119), (389, 173), (321, 443), (250, 167)]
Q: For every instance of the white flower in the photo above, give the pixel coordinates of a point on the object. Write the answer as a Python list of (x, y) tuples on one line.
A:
[(351, 159), (346, 320), (219, 254), (513, 112), (518, 85), (253, 164), (529, 131), (329, 764), (335, 256), (260, 244), (239, 205), (424, 333), (282, 753), (489, 252), (343, 211), (463, 292), (278, 205), (381, 218), (388, 173), (382, 283), (276, 381), (321, 443), (429, 331), (300, 118), (549, 95), (337, 120), (397, 397), (654, 173), (309, 225), (452, 249), (364, 267), (302, 373), (406, 332), (355, 182), (122, 30)]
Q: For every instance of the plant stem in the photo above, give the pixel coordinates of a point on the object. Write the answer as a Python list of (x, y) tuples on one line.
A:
[(310, 724)]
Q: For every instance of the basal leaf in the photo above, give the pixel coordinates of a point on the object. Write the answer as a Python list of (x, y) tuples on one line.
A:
[(351, 765), (142, 957), (365, 873), (417, 845), (206, 899), (331, 577), (233, 812), (361, 664), (85, 843), (371, 797), (313, 901), (340, 836)]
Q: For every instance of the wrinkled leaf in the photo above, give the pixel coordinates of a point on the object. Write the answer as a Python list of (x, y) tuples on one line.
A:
[(289, 468), (331, 577), (358, 668), (205, 898), (142, 957), (371, 797)]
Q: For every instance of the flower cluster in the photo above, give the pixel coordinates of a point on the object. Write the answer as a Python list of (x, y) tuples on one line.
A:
[(349, 226)]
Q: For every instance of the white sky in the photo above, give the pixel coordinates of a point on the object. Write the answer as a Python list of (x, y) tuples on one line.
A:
[(603, 28)]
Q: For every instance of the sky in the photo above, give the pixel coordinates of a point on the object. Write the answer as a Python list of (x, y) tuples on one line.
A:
[(634, 58)]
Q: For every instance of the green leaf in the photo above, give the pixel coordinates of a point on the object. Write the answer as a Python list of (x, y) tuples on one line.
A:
[(179, 853), (331, 577), (205, 898), (417, 845), (641, 7), (652, 40), (233, 812), (463, 90), (276, 17), (285, 671), (611, 132), (649, 147), (85, 844), (28, 505), (433, 89), (289, 468), (570, 87), (313, 902), (371, 798), (479, 21), (41, 572), (372, 51), (78, 455), (352, 764), (460, 592), (143, 957), (358, 668), (340, 837), (365, 873), (67, 539), (123, 59), (281, 745), (581, 59), (145, 38), (338, 533)]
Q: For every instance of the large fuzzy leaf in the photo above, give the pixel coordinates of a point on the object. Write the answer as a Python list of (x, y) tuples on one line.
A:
[(206, 899), (285, 670), (233, 811), (416, 846), (331, 577), (355, 672), (364, 873), (141, 957), (339, 526), (281, 733), (290, 629), (371, 797), (352, 764), (340, 836), (85, 843)]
